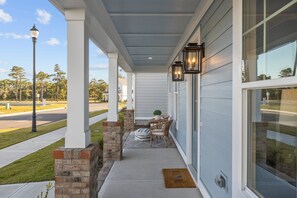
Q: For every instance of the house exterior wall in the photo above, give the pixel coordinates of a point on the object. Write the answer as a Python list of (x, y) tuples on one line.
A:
[(179, 128), (215, 101), (216, 98), (150, 94)]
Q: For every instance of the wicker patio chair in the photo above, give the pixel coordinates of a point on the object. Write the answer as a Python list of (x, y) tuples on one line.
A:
[(161, 131)]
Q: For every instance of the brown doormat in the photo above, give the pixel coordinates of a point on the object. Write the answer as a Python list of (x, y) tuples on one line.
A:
[(178, 178)]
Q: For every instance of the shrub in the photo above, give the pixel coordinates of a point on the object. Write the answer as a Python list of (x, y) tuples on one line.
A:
[(157, 112)]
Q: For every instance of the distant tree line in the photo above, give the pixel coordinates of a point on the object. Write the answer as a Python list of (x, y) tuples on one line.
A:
[(49, 86)]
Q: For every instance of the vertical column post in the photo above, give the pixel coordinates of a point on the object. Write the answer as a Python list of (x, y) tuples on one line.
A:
[(129, 90), (113, 88), (112, 134), (129, 112), (78, 134), (76, 165)]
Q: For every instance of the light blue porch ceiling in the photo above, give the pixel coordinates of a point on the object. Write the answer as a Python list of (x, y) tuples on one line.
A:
[(150, 28), (139, 29)]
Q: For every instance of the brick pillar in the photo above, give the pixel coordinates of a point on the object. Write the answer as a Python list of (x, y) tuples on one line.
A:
[(129, 120), (76, 172), (112, 141)]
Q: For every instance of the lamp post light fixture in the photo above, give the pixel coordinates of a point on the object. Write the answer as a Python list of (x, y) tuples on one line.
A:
[(177, 71), (34, 34), (192, 58)]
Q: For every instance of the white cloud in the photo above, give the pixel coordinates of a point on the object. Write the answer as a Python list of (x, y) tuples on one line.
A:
[(2, 70), (53, 42), (100, 66), (43, 16), (15, 35), (5, 17), (2, 2)]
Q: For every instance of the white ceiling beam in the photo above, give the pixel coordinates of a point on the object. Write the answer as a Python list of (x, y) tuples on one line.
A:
[(97, 33), (98, 10)]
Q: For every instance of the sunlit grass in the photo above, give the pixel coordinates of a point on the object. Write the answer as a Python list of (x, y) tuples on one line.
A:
[(8, 130), (18, 109)]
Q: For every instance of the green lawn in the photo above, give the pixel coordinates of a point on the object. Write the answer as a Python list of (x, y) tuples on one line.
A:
[(39, 166), (19, 109), (282, 157), (289, 130), (20, 135)]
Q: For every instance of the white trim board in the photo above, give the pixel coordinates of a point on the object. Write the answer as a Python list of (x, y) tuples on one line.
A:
[(237, 152), (179, 148), (143, 118)]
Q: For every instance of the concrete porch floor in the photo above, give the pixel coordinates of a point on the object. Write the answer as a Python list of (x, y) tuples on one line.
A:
[(139, 174)]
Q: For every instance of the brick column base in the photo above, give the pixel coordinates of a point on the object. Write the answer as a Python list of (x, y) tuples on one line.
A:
[(112, 141), (129, 120), (76, 172)]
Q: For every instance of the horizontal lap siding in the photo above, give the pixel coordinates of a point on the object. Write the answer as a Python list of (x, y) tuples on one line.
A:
[(216, 97), (151, 93)]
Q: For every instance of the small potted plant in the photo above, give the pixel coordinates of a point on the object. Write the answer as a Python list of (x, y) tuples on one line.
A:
[(157, 113)]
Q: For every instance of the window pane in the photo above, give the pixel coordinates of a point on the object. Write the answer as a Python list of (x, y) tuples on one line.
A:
[(253, 43), (282, 29), (281, 44), (272, 142), (252, 13), (270, 51), (273, 5)]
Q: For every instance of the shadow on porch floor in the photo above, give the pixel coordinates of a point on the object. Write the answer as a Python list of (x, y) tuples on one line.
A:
[(139, 174)]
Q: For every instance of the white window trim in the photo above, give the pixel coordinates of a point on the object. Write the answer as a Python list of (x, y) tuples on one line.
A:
[(239, 106), (237, 146)]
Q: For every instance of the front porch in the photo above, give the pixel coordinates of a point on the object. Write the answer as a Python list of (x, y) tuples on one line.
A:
[(139, 174)]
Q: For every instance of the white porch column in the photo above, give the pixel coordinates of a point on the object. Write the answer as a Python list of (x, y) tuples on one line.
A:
[(78, 134), (113, 87), (129, 90)]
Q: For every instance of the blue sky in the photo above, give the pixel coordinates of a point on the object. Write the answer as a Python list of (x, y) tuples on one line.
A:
[(17, 18)]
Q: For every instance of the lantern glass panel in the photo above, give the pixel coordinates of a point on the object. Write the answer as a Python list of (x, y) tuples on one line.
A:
[(192, 62), (177, 72)]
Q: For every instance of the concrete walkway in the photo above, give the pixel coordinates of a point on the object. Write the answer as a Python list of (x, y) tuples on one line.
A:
[(24, 190), (20, 150), (139, 174)]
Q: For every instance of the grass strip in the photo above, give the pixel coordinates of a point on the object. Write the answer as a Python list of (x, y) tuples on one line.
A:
[(19, 109), (20, 135), (281, 128), (35, 167), (39, 166)]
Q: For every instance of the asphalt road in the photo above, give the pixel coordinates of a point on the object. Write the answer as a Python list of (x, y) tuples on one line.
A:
[(45, 117)]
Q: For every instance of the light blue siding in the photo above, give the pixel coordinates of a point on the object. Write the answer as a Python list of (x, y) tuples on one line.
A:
[(216, 98), (150, 94)]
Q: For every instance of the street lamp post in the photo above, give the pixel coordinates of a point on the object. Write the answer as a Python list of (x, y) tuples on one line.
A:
[(34, 34)]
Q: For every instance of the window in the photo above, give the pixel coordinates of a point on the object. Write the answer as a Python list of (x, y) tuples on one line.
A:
[(269, 54), (269, 39), (272, 142)]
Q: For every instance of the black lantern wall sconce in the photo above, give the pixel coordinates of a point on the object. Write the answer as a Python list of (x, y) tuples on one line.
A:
[(177, 71), (192, 58)]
